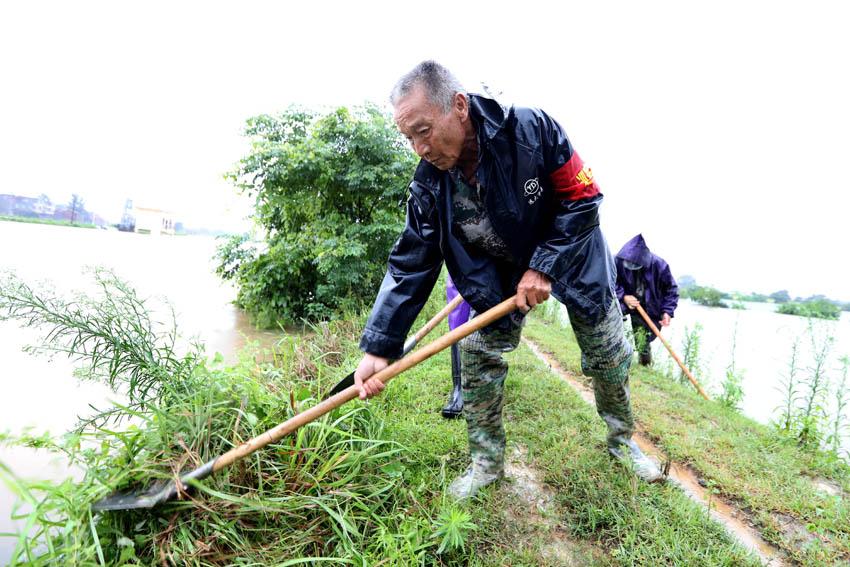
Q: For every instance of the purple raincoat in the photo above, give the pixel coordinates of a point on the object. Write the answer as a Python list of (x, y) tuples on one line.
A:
[(661, 294), (460, 315)]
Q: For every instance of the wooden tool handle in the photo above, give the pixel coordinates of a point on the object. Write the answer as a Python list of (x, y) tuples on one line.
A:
[(385, 375), (437, 319), (671, 351)]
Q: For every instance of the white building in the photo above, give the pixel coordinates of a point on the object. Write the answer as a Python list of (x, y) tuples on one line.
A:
[(153, 221)]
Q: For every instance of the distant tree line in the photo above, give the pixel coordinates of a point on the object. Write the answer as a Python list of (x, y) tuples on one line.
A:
[(818, 306)]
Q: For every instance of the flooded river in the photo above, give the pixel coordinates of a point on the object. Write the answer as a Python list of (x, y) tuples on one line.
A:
[(42, 394), (762, 351), (763, 341)]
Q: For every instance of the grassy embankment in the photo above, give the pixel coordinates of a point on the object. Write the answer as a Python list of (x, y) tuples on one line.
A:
[(753, 466), (35, 220), (365, 485)]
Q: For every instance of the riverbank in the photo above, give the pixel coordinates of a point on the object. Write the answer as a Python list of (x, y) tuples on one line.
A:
[(371, 479)]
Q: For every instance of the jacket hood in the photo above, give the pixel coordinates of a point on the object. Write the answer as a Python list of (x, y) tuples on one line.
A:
[(636, 251)]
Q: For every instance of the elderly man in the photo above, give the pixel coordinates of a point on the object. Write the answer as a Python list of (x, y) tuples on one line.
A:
[(502, 197)]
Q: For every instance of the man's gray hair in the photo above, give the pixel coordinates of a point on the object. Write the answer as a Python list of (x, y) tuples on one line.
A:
[(439, 83)]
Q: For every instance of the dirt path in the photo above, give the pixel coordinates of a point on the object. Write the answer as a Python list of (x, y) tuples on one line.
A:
[(737, 522)]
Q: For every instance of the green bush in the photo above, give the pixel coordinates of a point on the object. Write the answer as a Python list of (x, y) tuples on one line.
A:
[(819, 308), (707, 296), (328, 192)]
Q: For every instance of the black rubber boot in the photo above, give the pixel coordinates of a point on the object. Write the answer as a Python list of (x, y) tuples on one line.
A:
[(454, 407)]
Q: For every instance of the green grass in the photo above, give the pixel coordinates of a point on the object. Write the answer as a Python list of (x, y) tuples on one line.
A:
[(35, 220), (598, 503), (753, 465), (364, 485)]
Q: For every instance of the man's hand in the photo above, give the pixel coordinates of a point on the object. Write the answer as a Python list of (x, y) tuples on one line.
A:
[(369, 365), (665, 320), (532, 290), (630, 301)]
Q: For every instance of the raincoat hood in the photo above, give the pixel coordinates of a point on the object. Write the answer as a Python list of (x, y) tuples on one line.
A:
[(636, 251), (660, 292)]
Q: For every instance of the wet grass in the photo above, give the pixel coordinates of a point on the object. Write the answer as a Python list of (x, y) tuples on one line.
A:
[(610, 517), (761, 470), (365, 485)]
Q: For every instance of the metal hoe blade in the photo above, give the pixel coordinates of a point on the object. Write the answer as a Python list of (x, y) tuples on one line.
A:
[(154, 495)]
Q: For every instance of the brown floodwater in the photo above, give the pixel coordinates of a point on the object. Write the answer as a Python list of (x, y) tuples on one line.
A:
[(42, 394)]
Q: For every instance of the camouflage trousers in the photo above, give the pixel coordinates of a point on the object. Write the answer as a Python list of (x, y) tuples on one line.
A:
[(605, 357)]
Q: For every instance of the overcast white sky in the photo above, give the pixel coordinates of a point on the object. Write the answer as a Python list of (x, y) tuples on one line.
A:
[(720, 132)]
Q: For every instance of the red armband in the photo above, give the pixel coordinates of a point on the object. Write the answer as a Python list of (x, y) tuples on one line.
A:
[(573, 180)]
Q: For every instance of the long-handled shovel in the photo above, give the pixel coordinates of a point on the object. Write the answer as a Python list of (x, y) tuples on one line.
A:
[(670, 350), (409, 345), (160, 493)]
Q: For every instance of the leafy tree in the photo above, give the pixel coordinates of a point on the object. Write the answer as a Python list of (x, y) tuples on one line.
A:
[(77, 207), (707, 296), (780, 296), (753, 296), (686, 282), (327, 191)]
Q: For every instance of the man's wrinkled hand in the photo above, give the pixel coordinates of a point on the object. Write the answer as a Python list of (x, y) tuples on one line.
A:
[(533, 289), (665, 320), (369, 365), (630, 301)]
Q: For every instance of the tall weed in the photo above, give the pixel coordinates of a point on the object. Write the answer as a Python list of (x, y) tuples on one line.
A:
[(815, 388), (691, 352), (732, 391), (842, 399), (789, 386)]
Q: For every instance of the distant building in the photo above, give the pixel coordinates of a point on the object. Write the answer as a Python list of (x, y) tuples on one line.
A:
[(153, 221), (18, 206), (7, 204), (41, 207)]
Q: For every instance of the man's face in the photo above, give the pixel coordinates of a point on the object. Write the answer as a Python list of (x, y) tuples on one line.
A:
[(436, 137)]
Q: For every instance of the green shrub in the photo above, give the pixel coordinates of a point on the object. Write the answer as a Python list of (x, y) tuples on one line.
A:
[(707, 296), (327, 194), (819, 308)]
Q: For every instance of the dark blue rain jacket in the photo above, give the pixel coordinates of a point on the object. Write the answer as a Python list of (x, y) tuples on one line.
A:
[(542, 201)]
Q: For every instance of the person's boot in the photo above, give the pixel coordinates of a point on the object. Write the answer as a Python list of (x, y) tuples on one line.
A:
[(613, 404), (645, 358), (474, 479), (628, 453), (454, 407)]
